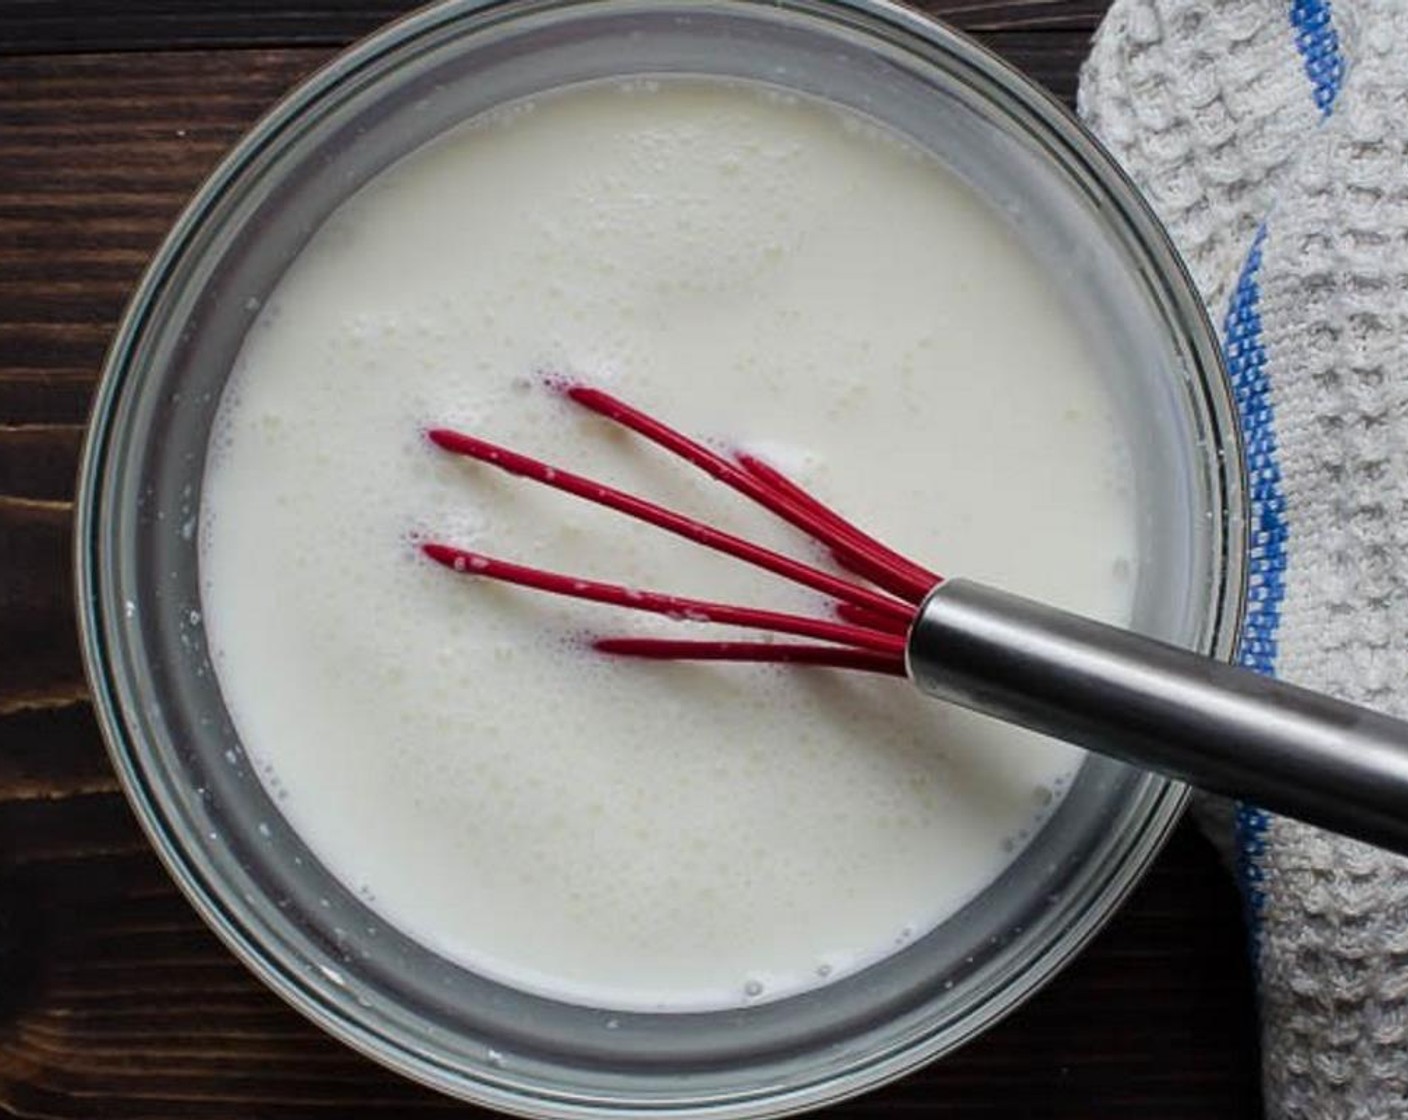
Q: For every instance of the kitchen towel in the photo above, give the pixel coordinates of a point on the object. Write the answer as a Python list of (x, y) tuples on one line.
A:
[(1272, 139)]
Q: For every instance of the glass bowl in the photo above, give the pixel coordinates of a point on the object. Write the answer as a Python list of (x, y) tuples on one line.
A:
[(222, 838)]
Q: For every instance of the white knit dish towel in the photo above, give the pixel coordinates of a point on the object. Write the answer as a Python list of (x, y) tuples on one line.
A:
[(1272, 139)]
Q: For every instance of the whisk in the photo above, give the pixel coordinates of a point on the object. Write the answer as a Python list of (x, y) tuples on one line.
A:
[(1110, 690)]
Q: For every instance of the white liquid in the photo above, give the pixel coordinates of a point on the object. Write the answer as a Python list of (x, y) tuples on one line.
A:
[(763, 272)]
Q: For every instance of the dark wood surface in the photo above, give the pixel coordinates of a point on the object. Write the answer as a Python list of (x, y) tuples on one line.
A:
[(114, 999)]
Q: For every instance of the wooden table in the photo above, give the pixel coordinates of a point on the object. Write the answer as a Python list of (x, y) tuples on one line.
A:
[(114, 1000)]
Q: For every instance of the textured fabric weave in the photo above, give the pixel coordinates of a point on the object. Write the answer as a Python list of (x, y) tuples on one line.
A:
[(1272, 138)]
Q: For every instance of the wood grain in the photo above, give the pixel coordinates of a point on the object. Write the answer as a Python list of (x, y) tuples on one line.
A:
[(114, 999), (49, 26)]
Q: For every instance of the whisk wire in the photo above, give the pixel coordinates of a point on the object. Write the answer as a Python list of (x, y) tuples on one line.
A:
[(679, 607), (785, 653), (851, 546), (873, 625), (524, 466), (877, 552)]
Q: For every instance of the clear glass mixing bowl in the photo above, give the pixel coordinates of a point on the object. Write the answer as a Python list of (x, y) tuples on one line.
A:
[(171, 739)]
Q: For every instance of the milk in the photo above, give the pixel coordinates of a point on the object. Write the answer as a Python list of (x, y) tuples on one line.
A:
[(769, 274)]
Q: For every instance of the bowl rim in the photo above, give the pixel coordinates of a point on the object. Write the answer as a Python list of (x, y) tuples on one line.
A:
[(1167, 799)]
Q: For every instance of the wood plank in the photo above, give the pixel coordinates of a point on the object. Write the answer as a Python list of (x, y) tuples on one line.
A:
[(51, 753), (52, 26), (37, 461), (39, 663)]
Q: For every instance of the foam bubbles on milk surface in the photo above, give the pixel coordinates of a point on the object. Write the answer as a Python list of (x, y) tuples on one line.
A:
[(608, 831)]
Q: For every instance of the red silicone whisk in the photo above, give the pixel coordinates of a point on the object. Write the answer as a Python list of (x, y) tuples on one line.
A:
[(873, 620), (1098, 686)]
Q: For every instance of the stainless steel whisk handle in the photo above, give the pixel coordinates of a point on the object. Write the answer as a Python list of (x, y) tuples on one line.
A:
[(1220, 727)]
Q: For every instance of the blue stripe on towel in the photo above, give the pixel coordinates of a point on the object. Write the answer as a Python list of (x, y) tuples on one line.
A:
[(1319, 46), (1245, 354)]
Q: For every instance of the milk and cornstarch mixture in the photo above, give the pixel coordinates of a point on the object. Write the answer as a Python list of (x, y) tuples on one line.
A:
[(758, 271)]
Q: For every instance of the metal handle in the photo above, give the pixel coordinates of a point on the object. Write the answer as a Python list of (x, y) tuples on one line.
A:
[(1217, 726)]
